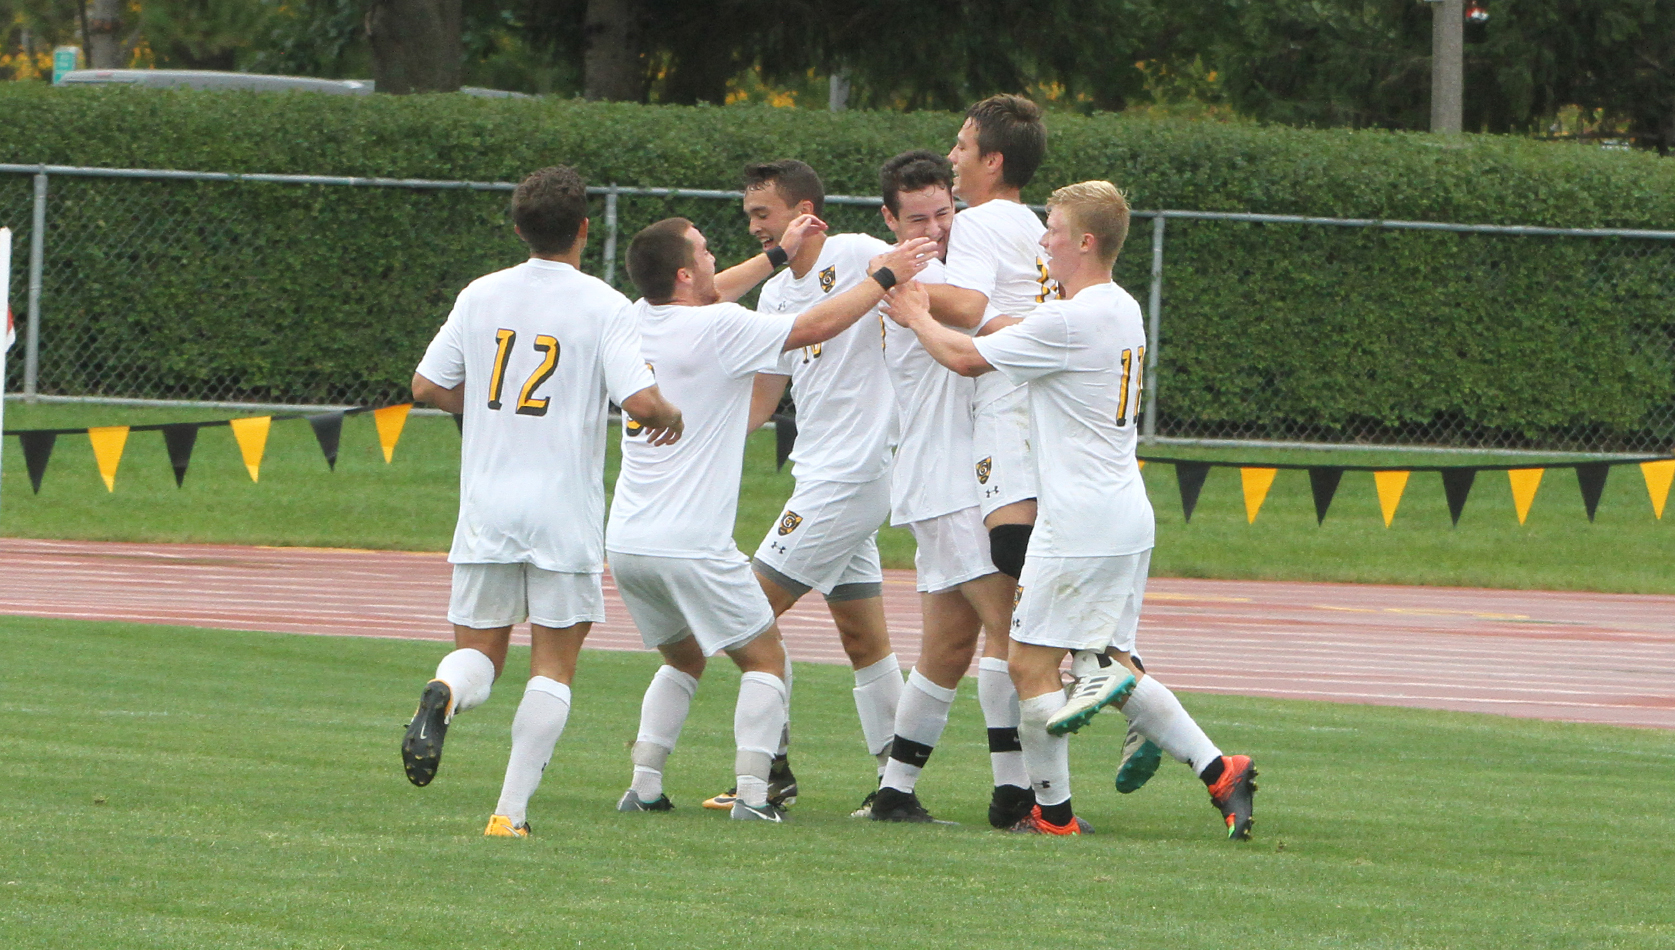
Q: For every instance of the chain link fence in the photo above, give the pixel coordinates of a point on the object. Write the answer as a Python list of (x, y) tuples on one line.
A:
[(299, 290)]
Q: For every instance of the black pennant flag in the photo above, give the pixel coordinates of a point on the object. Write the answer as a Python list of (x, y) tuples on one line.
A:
[(37, 448), (328, 429), (1323, 482), (1189, 476), (785, 437), (179, 438), (1591, 478), (1456, 484), (459, 422)]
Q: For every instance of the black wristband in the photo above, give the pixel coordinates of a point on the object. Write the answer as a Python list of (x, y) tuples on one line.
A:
[(885, 276), (777, 257)]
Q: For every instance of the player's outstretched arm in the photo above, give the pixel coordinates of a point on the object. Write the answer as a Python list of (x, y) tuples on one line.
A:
[(659, 416), (910, 306), (831, 317), (447, 400), (957, 306), (736, 281)]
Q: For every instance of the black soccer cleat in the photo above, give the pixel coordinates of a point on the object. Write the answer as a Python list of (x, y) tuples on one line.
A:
[(1234, 794), (1010, 805), (631, 802), (782, 785), (865, 811), (893, 804), (421, 748)]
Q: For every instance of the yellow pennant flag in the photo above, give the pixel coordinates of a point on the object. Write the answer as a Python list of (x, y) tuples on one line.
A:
[(1524, 481), (252, 436), (390, 419), (1390, 488), (1256, 482), (107, 450), (1658, 476)]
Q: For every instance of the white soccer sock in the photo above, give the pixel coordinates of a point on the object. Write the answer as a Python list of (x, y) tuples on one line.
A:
[(999, 699), (877, 693), (920, 719), (469, 675), (757, 722), (535, 730), (662, 714), (1156, 714), (784, 747), (1046, 757)]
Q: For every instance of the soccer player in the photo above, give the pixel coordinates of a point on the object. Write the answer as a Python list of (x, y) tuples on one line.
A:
[(994, 266), (826, 537), (1085, 576), (933, 493), (529, 356), (690, 591)]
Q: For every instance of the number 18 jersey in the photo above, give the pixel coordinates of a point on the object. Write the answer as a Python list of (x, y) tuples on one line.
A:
[(541, 348)]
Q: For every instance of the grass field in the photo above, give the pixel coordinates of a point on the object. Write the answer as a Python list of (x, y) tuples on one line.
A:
[(176, 787), (411, 505)]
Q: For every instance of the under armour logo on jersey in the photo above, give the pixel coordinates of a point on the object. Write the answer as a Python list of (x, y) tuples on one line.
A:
[(778, 548), (828, 279), (983, 468), (788, 522)]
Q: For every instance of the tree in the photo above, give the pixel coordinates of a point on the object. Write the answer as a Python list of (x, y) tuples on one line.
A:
[(614, 67), (415, 45)]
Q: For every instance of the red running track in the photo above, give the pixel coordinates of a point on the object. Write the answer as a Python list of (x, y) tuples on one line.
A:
[(1602, 658)]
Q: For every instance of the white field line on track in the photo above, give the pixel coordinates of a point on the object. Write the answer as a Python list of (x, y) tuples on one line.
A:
[(1404, 698)]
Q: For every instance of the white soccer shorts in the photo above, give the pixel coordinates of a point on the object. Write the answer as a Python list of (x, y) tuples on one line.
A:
[(485, 596), (716, 600), (1081, 603), (952, 549), (827, 534), (1004, 465)]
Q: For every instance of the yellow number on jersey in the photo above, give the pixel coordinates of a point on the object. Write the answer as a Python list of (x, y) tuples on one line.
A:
[(527, 404), (1049, 288), (503, 340)]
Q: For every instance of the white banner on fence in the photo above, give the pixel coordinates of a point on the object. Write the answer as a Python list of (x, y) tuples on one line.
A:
[(11, 332)]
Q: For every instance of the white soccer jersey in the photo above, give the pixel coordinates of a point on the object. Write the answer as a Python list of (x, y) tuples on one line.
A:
[(1084, 361), (841, 388), (995, 248), (681, 500), (539, 347), (931, 475)]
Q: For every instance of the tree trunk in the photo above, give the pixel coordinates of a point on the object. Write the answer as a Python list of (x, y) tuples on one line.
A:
[(415, 45), (104, 35), (612, 70)]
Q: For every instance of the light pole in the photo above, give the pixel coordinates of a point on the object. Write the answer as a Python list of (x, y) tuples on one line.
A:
[(1448, 23)]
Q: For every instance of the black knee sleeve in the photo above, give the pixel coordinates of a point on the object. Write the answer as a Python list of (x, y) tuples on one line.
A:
[(1008, 543)]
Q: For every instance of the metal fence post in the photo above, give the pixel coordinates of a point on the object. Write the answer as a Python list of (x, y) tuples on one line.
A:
[(37, 254), (610, 236), (1154, 329)]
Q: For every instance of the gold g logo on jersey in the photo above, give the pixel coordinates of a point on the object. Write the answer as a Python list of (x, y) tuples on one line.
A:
[(983, 469), (828, 279), (788, 522)]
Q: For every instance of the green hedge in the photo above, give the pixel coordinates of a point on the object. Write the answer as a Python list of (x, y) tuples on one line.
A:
[(310, 292)]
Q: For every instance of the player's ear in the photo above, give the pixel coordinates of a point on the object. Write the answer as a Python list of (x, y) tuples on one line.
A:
[(581, 234)]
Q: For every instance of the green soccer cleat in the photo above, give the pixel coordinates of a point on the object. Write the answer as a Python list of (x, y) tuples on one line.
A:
[(1140, 759)]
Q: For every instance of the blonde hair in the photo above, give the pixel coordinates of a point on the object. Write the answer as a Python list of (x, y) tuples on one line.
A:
[(1097, 208)]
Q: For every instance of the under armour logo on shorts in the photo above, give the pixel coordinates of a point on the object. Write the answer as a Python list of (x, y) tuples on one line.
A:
[(788, 522), (983, 469)]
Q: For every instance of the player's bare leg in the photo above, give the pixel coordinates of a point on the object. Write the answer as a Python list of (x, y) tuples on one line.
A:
[(540, 719)]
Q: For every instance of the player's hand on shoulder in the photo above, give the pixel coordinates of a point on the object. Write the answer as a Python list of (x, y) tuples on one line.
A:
[(906, 259), (907, 303), (798, 231)]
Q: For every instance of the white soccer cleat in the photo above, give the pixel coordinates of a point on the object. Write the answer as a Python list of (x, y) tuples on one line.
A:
[(1100, 681)]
